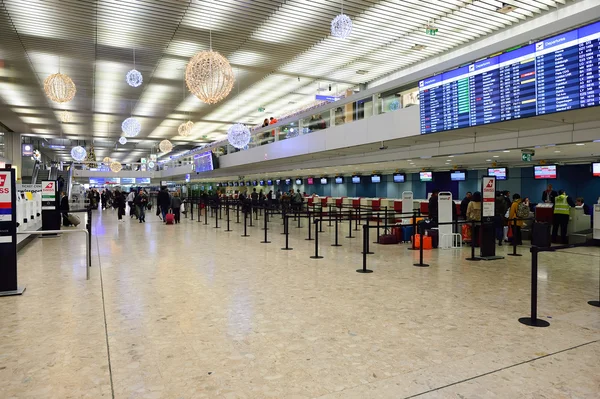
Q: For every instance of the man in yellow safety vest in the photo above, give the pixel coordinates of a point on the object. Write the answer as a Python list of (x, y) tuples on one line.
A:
[(562, 208)]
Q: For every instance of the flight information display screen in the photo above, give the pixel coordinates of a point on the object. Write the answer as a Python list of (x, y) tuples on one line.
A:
[(560, 73)]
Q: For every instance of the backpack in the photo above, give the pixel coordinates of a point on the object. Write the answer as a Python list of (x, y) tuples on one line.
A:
[(522, 211)]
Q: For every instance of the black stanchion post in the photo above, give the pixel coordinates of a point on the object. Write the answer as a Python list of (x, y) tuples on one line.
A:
[(316, 256), (191, 205), (246, 224), (286, 223), (414, 231), (533, 321), (251, 213), (368, 224), (321, 220), (299, 225), (237, 210), (266, 229), (89, 229), (329, 213), (378, 224), (255, 214), (336, 230), (365, 250), (217, 209), (309, 229), (349, 224), (473, 258), (422, 241), (514, 243), (227, 214)]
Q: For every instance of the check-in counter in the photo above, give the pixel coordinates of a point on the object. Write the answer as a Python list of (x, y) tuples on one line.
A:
[(366, 202), (578, 221), (387, 203), (544, 213)]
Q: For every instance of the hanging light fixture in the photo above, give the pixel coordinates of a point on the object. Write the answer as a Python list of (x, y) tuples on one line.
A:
[(65, 116), (165, 146), (151, 165), (116, 166), (238, 135), (185, 129), (122, 140), (131, 127), (78, 153), (341, 25), (59, 88), (107, 160), (209, 76), (134, 77)]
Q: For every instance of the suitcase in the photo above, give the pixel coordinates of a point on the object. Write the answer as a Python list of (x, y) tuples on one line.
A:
[(397, 231), (73, 219), (170, 218), (407, 233), (435, 237), (426, 242), (541, 234), (388, 239)]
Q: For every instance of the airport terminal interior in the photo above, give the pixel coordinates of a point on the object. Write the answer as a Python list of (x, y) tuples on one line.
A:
[(299, 199)]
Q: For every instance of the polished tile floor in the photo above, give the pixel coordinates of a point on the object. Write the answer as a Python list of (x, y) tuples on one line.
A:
[(190, 311)]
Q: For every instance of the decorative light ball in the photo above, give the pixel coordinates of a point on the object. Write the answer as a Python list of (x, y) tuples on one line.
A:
[(116, 166), (209, 76), (122, 140), (59, 88), (341, 26), (37, 155), (66, 117), (185, 129), (78, 153), (134, 78), (131, 127), (151, 165), (238, 135), (165, 146), (394, 105), (292, 133), (107, 160)]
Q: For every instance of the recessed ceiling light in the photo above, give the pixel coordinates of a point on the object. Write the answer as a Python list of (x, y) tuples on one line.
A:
[(408, 160), (361, 72), (450, 156), (448, 160), (580, 144), (557, 151), (488, 160), (506, 151), (496, 156)]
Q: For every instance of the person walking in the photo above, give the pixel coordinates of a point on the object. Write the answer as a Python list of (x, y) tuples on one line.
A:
[(120, 204), (500, 209), (141, 202), (64, 208), (103, 199), (164, 201), (562, 209), (516, 212), (176, 207), (132, 210)]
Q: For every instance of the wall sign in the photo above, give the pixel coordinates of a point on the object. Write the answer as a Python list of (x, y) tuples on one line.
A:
[(48, 195), (5, 196), (488, 196)]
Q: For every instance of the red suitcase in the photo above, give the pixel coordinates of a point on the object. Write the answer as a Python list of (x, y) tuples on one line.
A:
[(170, 218), (388, 239)]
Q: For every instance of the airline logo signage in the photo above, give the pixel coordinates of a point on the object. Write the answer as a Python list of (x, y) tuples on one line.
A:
[(489, 196), (5, 197), (48, 195)]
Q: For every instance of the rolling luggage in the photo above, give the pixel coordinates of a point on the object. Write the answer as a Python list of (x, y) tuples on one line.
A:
[(407, 233), (170, 218), (388, 239), (397, 231), (73, 219), (541, 234), (434, 234)]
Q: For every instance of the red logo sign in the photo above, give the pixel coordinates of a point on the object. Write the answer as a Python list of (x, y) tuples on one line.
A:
[(490, 183), (2, 180), (50, 186)]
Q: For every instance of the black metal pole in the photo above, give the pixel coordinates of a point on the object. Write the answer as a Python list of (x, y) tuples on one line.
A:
[(365, 250), (246, 224), (237, 210), (309, 229), (217, 209), (349, 224), (473, 258), (321, 220), (89, 229), (514, 239), (414, 231), (227, 214), (368, 233), (422, 241), (251, 213), (266, 229), (336, 230), (299, 225), (205, 214), (596, 303), (533, 321), (316, 256), (287, 233), (329, 215), (191, 210)]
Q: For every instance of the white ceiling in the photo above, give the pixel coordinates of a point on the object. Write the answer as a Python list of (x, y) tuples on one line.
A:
[(281, 51)]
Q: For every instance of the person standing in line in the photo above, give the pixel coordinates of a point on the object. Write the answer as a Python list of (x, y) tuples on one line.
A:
[(176, 207), (433, 207), (164, 201), (130, 199), (464, 204), (120, 204), (562, 209), (474, 214), (97, 197), (499, 216), (549, 195), (514, 214)]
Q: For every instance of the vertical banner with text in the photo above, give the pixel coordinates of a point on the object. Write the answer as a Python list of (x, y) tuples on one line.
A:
[(488, 197)]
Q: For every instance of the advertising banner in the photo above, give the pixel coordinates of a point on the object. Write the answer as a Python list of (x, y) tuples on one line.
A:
[(5, 196)]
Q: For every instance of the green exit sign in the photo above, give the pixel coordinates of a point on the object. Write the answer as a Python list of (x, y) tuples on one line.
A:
[(526, 157)]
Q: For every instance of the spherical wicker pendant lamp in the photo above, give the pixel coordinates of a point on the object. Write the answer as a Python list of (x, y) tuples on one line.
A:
[(59, 88), (116, 166), (165, 146), (209, 76), (185, 129)]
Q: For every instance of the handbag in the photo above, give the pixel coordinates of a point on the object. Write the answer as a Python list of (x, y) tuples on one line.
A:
[(466, 232), (149, 206), (182, 207)]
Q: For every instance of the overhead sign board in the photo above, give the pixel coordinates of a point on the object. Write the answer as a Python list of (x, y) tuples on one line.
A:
[(320, 97)]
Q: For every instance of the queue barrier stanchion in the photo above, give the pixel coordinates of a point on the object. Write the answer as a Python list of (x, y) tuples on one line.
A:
[(421, 245), (217, 216), (316, 256), (205, 214), (227, 214), (299, 221), (246, 225), (251, 213), (283, 218), (89, 229), (473, 258), (378, 217), (309, 229), (349, 224), (321, 220), (514, 240), (365, 250), (414, 231), (266, 229), (329, 213), (336, 230), (191, 205), (357, 216), (286, 222), (237, 210), (533, 321)]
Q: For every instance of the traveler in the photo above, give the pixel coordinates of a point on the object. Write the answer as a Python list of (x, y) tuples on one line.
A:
[(103, 199), (141, 202), (549, 195), (97, 198), (265, 122), (254, 196), (562, 209), (518, 210), (499, 216), (433, 207), (64, 207), (130, 198), (507, 199), (464, 204), (176, 207), (164, 201), (120, 204), (579, 202), (474, 214)]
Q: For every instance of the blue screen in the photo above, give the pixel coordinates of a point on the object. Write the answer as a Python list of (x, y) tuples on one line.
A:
[(560, 73), (203, 162)]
